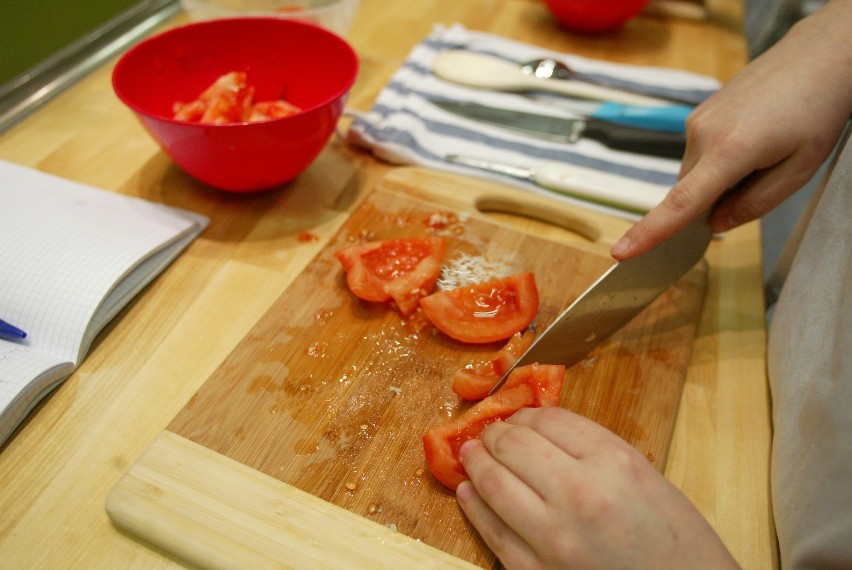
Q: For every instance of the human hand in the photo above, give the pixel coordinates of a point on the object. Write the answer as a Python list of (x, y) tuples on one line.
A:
[(551, 489), (763, 135)]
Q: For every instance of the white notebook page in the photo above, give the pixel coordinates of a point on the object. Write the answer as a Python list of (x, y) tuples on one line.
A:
[(69, 253)]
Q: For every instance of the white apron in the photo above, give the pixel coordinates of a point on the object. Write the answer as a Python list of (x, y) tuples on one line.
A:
[(810, 376)]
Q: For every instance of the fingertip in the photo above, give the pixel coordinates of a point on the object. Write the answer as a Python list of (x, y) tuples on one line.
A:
[(465, 491), (466, 447), (621, 248)]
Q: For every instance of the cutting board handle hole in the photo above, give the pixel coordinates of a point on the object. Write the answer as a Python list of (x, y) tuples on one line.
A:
[(553, 216)]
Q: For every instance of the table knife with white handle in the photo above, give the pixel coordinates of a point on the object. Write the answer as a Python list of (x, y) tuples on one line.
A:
[(584, 183)]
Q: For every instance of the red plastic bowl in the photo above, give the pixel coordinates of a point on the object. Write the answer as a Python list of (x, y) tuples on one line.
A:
[(308, 66), (594, 16)]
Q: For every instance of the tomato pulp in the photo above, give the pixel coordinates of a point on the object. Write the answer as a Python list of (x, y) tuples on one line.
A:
[(484, 312), (230, 99), (403, 270), (535, 385), (474, 381)]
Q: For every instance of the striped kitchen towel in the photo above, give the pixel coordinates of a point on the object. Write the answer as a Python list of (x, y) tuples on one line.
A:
[(404, 127)]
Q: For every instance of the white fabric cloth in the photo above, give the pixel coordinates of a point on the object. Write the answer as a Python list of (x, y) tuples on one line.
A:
[(810, 374), (404, 127)]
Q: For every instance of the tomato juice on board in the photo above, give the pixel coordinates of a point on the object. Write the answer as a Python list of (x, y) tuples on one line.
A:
[(469, 299)]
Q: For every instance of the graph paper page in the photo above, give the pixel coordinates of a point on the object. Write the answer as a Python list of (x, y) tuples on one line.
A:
[(64, 249)]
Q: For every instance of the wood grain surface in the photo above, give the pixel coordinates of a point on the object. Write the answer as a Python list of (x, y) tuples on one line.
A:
[(331, 395), (66, 458)]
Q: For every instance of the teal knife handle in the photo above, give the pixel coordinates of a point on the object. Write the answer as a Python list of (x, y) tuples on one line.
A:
[(665, 118)]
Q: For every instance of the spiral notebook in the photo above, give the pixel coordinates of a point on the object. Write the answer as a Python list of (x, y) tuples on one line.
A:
[(72, 256)]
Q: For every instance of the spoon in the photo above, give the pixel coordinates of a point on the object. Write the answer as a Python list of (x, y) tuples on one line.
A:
[(547, 68), (490, 72)]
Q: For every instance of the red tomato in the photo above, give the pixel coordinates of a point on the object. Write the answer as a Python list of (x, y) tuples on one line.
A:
[(484, 312), (229, 100), (546, 380), (527, 386), (442, 443), (264, 110), (400, 269), (474, 381)]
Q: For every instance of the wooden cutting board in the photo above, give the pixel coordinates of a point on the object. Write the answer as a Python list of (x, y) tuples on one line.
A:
[(304, 448)]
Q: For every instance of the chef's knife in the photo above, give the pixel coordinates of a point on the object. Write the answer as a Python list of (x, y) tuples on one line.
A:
[(616, 297), (560, 129)]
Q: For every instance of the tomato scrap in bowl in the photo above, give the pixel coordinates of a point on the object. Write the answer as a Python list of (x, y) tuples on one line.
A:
[(230, 99), (484, 312), (534, 385)]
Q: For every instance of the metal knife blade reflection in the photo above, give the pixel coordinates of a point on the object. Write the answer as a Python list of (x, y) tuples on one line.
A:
[(616, 297)]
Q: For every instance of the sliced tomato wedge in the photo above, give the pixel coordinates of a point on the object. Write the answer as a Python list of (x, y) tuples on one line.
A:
[(509, 354), (227, 100), (527, 386), (442, 443), (484, 312), (474, 381), (265, 110), (545, 379), (403, 270)]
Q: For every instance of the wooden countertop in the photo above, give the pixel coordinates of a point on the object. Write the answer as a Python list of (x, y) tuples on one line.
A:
[(59, 466)]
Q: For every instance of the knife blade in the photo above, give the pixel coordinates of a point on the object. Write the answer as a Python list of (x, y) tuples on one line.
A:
[(570, 130), (621, 293)]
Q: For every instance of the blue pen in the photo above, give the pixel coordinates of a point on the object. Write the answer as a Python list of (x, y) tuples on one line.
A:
[(11, 332)]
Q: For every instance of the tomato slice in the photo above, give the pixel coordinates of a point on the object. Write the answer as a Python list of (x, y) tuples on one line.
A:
[(265, 110), (474, 381), (484, 312), (527, 386), (545, 379), (442, 443), (403, 270), (229, 100), (509, 354)]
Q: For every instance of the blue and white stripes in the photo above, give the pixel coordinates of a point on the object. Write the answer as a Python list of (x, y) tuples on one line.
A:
[(404, 127)]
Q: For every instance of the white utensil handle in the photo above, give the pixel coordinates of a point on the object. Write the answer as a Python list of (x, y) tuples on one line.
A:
[(601, 187), (489, 72), (596, 92)]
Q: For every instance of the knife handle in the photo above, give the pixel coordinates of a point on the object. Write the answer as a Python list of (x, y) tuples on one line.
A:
[(666, 118), (642, 141), (601, 187)]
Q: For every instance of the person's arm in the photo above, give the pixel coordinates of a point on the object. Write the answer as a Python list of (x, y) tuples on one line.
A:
[(551, 489), (763, 135)]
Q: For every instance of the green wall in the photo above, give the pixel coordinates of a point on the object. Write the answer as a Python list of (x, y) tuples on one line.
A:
[(31, 30)]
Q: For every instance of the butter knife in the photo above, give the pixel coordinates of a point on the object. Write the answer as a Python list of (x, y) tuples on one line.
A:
[(616, 297), (584, 183), (570, 130)]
